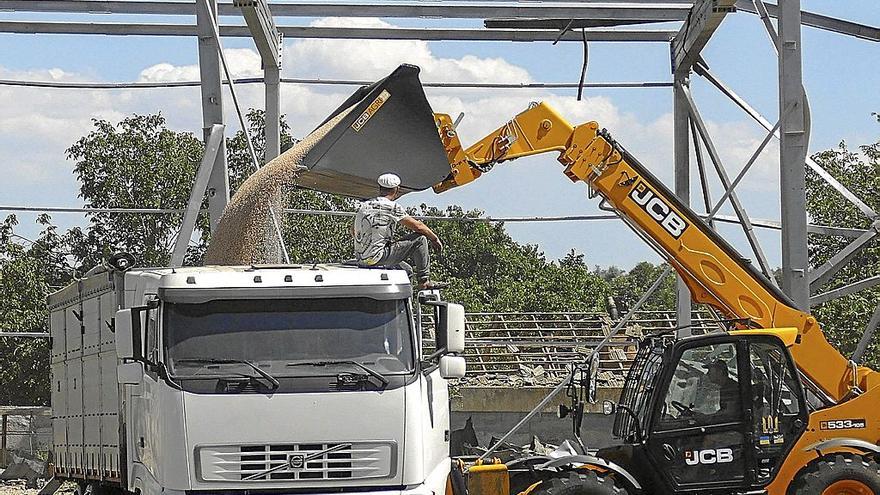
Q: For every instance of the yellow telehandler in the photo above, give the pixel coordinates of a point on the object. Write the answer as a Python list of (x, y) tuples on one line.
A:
[(766, 406)]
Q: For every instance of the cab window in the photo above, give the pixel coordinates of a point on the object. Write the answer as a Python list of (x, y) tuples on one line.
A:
[(704, 389)]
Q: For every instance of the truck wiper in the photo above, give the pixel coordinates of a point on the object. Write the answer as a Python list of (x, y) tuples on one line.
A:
[(375, 374), (263, 373)]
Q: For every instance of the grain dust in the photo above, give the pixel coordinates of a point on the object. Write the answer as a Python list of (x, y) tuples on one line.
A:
[(246, 234)]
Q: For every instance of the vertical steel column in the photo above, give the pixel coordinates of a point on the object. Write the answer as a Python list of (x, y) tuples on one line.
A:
[(272, 81), (212, 109), (681, 129), (792, 155)]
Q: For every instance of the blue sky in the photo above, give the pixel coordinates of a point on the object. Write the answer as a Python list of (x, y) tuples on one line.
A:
[(841, 76)]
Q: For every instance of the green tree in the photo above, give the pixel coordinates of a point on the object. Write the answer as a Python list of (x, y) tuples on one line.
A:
[(489, 271), (29, 270), (844, 319), (628, 288), (138, 163)]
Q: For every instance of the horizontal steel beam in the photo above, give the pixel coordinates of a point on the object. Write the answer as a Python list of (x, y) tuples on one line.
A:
[(560, 24), (426, 34), (329, 82), (447, 10), (819, 21), (583, 9), (757, 222), (845, 290), (25, 335)]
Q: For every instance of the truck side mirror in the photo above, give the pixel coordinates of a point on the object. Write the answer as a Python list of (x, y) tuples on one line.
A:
[(450, 328), (129, 345), (452, 367), (608, 407)]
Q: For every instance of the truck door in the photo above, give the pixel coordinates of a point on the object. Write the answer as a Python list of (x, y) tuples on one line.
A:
[(146, 407), (699, 433)]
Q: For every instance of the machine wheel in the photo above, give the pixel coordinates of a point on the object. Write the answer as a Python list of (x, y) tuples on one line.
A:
[(580, 483), (841, 474)]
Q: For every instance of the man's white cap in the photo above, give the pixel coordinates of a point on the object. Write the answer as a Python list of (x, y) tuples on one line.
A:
[(389, 181)]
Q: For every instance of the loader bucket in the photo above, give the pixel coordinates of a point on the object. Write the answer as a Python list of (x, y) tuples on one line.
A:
[(388, 127)]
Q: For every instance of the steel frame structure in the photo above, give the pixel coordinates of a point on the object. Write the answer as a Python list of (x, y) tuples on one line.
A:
[(512, 20)]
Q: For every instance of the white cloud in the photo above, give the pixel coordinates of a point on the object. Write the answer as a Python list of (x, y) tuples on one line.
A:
[(373, 59), (243, 62)]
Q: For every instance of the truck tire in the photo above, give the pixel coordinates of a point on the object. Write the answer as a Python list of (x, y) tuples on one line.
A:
[(840, 474), (585, 482)]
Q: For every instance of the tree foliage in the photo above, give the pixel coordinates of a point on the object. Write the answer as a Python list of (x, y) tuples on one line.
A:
[(845, 319), (28, 272), (489, 271), (139, 163)]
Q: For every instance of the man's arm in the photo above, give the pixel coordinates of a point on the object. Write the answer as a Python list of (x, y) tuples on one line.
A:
[(419, 227)]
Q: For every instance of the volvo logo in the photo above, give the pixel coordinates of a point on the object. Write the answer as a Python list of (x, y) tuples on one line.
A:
[(296, 461)]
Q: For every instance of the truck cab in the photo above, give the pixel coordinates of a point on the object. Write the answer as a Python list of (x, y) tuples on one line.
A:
[(307, 378)]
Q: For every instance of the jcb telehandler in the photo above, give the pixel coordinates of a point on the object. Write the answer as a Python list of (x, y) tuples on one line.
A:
[(766, 406)]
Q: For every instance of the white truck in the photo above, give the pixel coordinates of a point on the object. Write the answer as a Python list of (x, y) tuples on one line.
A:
[(305, 379)]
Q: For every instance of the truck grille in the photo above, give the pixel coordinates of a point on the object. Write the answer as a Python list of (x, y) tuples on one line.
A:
[(297, 462)]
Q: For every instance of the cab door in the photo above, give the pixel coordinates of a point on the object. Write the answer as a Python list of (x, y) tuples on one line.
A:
[(699, 437), (777, 400)]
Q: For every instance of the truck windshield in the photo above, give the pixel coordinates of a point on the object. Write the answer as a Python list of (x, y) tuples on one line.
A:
[(274, 333)]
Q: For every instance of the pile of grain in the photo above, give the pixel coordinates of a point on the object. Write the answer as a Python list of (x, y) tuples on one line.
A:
[(246, 234)]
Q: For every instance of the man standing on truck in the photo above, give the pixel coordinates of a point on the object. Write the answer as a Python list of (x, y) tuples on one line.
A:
[(374, 227)]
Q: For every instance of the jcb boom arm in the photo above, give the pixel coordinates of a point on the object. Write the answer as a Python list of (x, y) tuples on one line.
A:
[(713, 271)]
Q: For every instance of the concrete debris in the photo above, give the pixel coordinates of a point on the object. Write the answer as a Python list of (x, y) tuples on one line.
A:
[(22, 487), (634, 330), (610, 379), (22, 468)]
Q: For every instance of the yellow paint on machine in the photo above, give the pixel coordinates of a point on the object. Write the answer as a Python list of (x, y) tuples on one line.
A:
[(488, 479), (371, 110)]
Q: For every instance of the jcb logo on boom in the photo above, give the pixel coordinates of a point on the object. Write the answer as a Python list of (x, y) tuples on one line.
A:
[(710, 456), (658, 210)]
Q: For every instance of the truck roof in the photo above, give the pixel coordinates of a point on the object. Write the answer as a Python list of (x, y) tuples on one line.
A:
[(314, 277), (255, 276)]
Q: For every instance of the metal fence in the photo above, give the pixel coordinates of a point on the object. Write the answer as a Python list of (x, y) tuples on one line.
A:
[(537, 347), (25, 432)]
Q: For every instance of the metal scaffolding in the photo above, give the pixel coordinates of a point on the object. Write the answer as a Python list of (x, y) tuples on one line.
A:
[(693, 23)]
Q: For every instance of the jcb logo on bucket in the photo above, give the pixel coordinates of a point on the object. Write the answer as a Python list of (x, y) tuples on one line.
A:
[(371, 110), (710, 456), (658, 210)]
